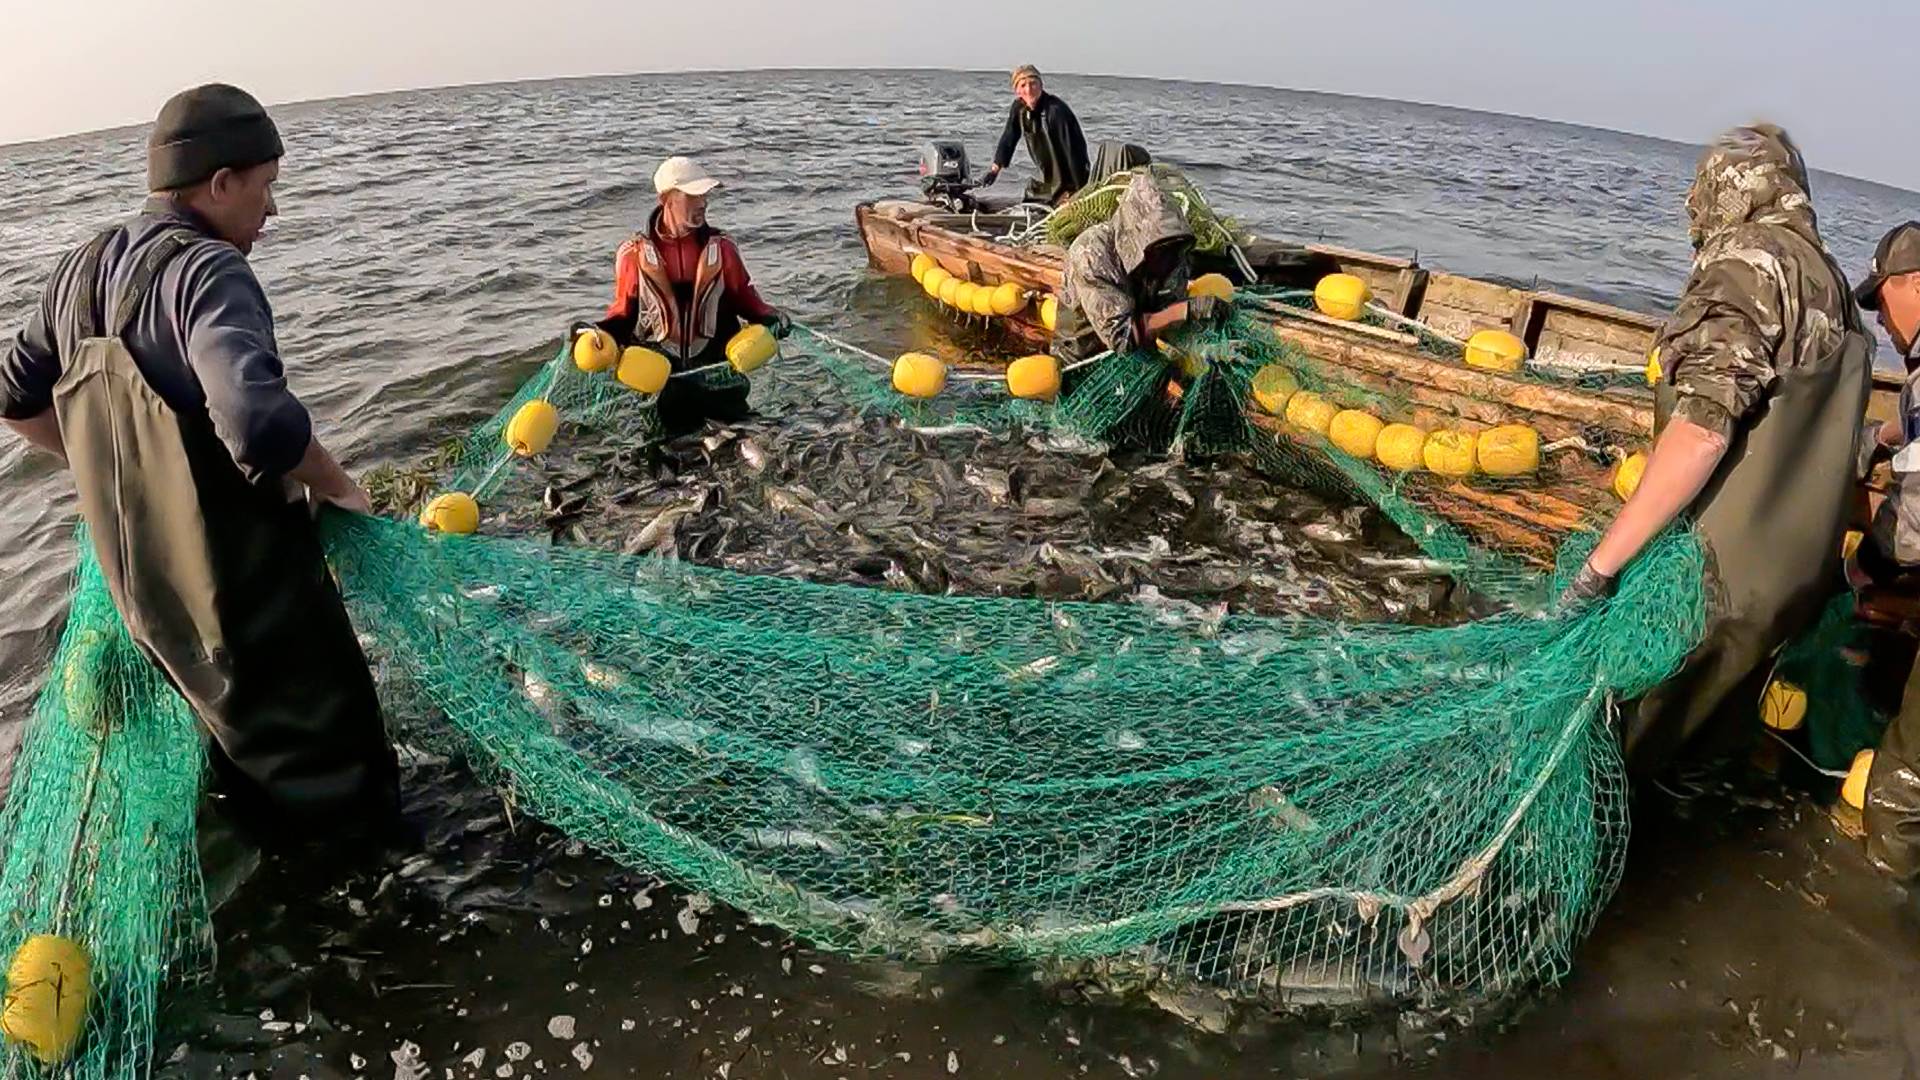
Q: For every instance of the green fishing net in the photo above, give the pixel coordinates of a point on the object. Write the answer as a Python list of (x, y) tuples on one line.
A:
[(1292, 810), (1213, 232)]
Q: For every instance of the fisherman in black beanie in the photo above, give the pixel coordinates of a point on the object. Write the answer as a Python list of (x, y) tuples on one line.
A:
[(151, 367)]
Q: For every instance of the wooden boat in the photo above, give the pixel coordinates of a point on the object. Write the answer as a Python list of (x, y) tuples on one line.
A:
[(1593, 428)]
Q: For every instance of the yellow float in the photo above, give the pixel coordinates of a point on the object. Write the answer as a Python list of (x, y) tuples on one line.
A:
[(950, 290), (595, 351), (1034, 378), (1216, 285), (922, 263), (1050, 313), (1850, 543), (47, 993), (532, 428), (933, 279), (1309, 411), (1355, 432), (918, 375), (751, 348), (1449, 453), (983, 300), (1496, 350), (1653, 367), (1784, 707), (1401, 447), (1009, 299), (1508, 450), (1854, 790), (1626, 477), (643, 369), (1341, 296), (1273, 387), (963, 296), (454, 512)]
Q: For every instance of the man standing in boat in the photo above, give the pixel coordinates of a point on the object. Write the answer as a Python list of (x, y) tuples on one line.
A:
[(1125, 282), (1763, 372), (150, 367), (1891, 551), (1053, 137), (680, 287)]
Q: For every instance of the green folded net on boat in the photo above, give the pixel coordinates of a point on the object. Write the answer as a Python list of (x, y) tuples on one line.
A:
[(1278, 808)]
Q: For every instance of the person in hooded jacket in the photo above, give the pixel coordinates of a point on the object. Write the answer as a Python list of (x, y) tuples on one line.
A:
[(1762, 377), (1125, 281)]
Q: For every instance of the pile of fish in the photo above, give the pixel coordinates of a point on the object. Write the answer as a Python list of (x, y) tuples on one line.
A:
[(819, 494)]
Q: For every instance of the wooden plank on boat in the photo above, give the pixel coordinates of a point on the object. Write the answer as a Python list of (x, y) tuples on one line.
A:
[(1288, 311), (1458, 306)]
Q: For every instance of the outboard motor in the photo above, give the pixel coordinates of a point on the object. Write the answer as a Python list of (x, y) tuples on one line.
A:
[(946, 180)]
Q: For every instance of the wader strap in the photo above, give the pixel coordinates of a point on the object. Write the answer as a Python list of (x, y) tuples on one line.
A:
[(141, 281), (84, 320)]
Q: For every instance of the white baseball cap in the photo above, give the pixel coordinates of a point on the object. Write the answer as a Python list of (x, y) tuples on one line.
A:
[(683, 175)]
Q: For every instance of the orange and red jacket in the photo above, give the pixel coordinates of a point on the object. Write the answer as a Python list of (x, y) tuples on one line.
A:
[(683, 295)]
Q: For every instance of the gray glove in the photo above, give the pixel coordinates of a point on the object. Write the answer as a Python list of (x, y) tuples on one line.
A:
[(1208, 310), (1868, 452), (1587, 587)]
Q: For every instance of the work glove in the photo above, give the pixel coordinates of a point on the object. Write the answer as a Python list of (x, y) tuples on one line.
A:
[(1870, 450), (1587, 587), (992, 174), (781, 324), (1208, 310)]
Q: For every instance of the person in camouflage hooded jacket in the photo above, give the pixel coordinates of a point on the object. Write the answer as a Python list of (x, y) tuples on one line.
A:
[(1763, 375), (1126, 278)]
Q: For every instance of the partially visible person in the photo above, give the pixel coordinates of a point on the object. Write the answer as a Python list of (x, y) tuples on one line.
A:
[(1890, 552), (1125, 282), (150, 367), (680, 287), (1053, 137), (1765, 371)]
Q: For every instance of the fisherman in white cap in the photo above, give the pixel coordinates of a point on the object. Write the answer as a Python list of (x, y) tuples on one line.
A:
[(681, 287)]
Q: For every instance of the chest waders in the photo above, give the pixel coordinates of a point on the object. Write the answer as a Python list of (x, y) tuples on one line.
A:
[(222, 582), (1771, 520)]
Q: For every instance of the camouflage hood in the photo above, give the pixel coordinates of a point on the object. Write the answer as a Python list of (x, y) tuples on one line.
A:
[(1146, 217), (1750, 176)]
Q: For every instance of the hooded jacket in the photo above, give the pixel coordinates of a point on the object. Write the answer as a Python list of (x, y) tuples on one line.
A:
[(1104, 285), (1763, 294)]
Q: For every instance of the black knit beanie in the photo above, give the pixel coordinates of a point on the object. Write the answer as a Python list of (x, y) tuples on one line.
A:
[(206, 129)]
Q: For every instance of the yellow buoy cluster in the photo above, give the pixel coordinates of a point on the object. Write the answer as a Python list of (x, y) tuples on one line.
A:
[(1003, 300), (1505, 451), (1342, 296), (922, 375), (532, 427), (48, 989)]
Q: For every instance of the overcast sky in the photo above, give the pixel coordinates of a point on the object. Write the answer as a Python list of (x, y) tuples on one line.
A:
[(1675, 68)]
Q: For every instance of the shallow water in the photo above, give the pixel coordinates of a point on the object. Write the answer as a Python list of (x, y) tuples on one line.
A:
[(434, 245)]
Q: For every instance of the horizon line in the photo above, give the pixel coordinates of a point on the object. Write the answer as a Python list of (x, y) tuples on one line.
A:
[(591, 76)]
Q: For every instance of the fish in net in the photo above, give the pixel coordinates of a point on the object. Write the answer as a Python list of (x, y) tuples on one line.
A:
[(1267, 806)]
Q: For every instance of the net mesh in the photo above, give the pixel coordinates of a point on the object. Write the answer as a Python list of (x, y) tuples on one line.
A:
[(1297, 810)]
